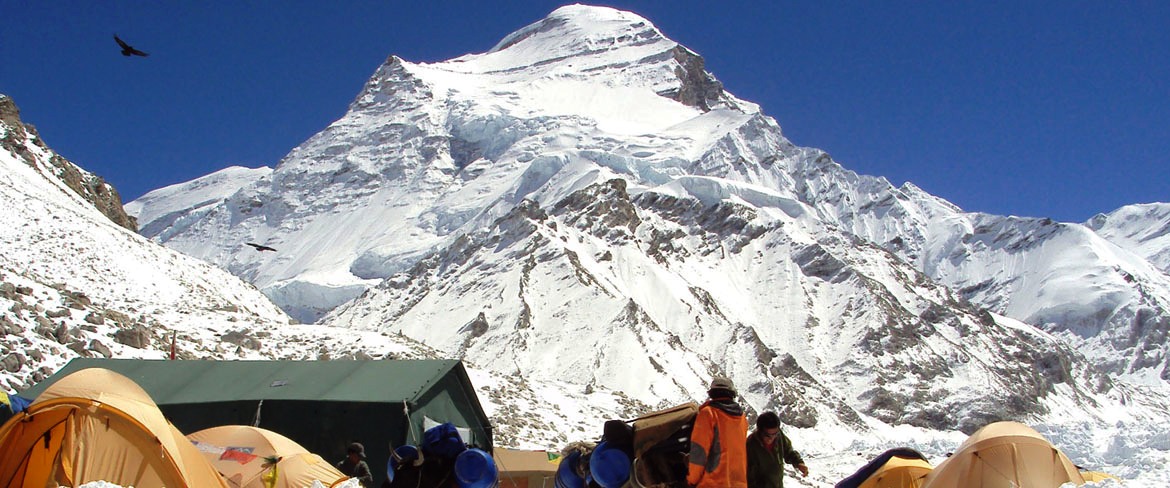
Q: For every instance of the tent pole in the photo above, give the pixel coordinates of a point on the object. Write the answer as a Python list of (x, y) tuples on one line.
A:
[(256, 419)]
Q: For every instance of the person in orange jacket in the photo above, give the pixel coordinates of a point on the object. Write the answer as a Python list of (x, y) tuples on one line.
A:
[(718, 457)]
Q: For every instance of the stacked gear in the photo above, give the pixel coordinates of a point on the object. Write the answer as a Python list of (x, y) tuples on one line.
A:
[(442, 460), (649, 452)]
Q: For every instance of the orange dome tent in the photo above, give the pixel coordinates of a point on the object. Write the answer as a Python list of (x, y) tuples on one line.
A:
[(239, 452), (97, 425)]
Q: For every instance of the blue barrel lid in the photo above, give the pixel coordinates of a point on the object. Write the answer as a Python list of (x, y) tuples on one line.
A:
[(567, 472), (402, 455), (609, 466), (475, 468)]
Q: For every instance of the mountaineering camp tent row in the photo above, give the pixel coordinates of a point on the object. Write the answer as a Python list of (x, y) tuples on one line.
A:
[(321, 405), (97, 425)]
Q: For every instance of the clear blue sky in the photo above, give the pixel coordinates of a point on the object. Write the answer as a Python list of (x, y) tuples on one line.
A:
[(1050, 109)]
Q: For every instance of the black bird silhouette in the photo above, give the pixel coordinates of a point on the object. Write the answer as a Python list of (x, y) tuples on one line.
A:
[(260, 247), (128, 50)]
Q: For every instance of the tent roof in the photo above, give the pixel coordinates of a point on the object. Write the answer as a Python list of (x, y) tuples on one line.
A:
[(238, 452), (1002, 453), (1003, 432), (112, 424), (265, 442), (901, 457), (207, 381)]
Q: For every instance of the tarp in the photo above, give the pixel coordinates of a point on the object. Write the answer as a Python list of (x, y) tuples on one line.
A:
[(238, 452), (14, 403), (525, 469), (97, 425), (322, 405), (895, 468), (11, 404), (1004, 454), (661, 445)]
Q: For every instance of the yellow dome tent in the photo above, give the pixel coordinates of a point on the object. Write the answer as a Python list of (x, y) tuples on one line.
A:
[(97, 425), (1005, 454), (238, 452), (896, 468)]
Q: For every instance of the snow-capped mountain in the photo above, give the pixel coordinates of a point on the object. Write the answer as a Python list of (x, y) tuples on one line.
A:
[(164, 207), (1062, 277), (1143, 229), (585, 204), (74, 283), (583, 209)]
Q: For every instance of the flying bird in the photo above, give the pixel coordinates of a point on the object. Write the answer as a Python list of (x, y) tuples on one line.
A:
[(260, 247), (128, 50)]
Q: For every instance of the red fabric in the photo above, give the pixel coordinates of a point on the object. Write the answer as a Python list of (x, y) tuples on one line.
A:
[(237, 455)]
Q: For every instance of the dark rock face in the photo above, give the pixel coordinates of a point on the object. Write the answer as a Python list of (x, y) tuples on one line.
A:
[(604, 210), (90, 187), (699, 89)]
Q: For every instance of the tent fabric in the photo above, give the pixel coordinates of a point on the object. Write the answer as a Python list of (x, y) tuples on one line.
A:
[(1093, 476), (238, 452), (895, 468), (97, 425), (322, 405), (524, 469), (1004, 454)]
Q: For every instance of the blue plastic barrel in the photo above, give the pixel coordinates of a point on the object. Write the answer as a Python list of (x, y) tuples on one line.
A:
[(609, 466), (475, 468), (402, 455), (567, 472)]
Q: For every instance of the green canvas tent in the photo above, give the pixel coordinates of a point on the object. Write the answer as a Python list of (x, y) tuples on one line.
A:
[(321, 405)]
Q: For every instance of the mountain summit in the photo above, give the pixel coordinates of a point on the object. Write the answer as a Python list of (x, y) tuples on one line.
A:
[(430, 148), (601, 45), (584, 203)]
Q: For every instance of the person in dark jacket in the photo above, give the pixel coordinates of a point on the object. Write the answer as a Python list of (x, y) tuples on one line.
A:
[(768, 449), (354, 465)]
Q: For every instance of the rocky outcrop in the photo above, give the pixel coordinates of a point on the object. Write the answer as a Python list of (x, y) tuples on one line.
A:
[(91, 187), (698, 88)]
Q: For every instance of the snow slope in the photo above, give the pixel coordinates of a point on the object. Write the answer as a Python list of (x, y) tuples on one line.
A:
[(1142, 229)]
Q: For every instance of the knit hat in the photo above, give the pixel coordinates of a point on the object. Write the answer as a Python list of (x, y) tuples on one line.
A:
[(722, 383)]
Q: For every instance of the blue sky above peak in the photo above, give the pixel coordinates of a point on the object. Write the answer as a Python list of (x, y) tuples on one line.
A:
[(1047, 109)]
